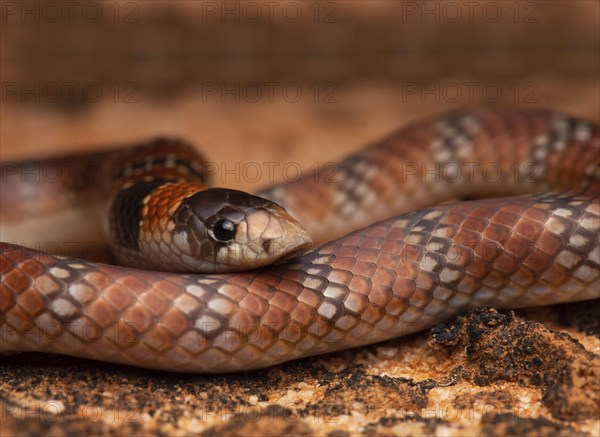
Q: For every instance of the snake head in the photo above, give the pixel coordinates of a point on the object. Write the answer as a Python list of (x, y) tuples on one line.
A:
[(221, 230)]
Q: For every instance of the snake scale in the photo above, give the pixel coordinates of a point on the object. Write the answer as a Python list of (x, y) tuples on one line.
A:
[(534, 242)]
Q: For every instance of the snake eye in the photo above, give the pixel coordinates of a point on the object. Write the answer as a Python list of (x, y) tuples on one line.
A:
[(224, 230)]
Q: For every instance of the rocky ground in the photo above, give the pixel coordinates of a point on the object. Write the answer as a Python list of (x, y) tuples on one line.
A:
[(486, 373)]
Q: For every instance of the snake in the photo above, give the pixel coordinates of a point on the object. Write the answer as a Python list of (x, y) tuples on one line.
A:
[(452, 212)]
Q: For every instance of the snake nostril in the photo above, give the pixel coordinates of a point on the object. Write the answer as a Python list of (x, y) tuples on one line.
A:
[(266, 245)]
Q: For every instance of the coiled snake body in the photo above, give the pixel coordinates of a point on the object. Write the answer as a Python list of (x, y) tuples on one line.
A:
[(391, 278)]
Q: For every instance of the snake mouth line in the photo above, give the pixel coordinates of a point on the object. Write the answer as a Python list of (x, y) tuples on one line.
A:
[(301, 250)]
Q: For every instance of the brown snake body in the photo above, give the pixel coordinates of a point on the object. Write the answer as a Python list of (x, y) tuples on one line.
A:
[(395, 277)]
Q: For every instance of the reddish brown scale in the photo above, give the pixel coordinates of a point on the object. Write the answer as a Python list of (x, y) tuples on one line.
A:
[(159, 207), (185, 166)]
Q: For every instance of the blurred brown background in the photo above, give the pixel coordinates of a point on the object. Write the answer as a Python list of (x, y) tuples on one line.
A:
[(286, 81)]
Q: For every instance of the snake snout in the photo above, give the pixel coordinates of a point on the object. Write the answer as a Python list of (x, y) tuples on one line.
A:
[(279, 234), (270, 234)]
